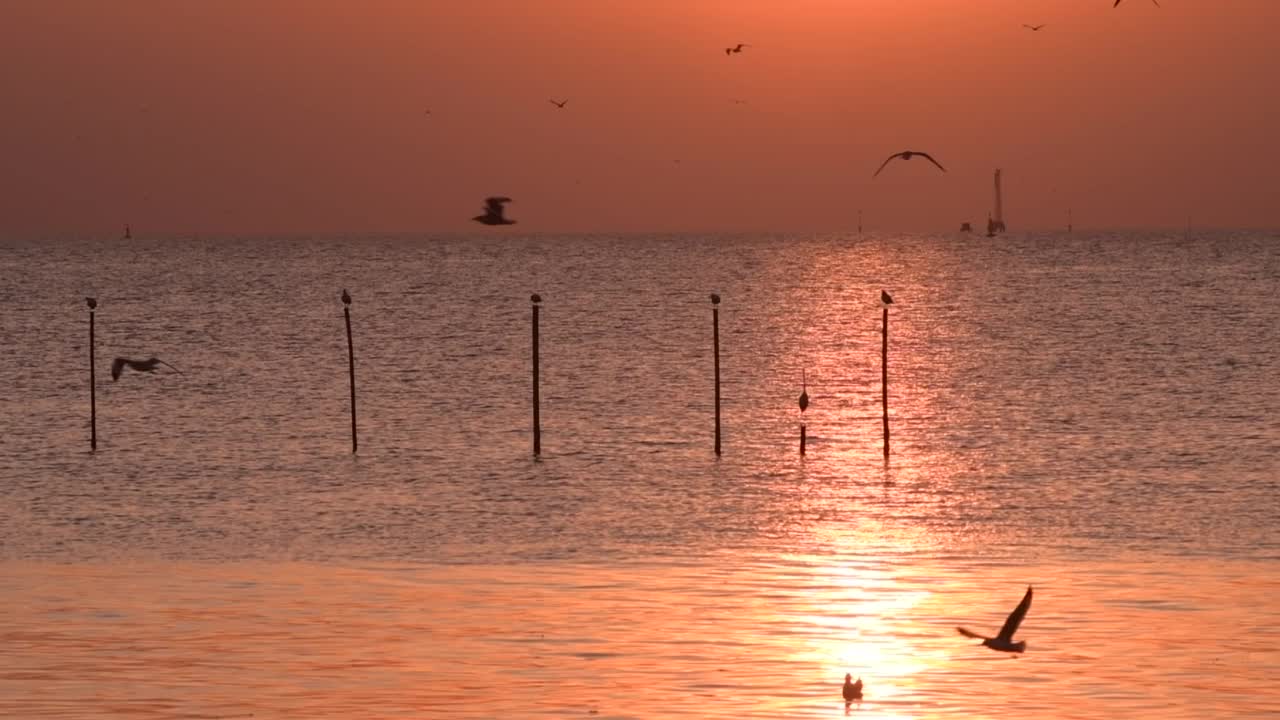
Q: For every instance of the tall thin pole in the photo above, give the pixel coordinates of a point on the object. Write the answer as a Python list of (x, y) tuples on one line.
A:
[(351, 368), (93, 385), (884, 376), (715, 339), (535, 299)]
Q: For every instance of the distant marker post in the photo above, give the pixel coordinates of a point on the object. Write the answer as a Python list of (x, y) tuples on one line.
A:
[(93, 384), (884, 373), (351, 368), (715, 344), (536, 301)]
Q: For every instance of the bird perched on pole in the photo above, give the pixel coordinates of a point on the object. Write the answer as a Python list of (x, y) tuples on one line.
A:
[(804, 393), (93, 303), (346, 297), (885, 298)]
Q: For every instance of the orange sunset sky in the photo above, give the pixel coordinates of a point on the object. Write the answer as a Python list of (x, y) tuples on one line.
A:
[(263, 116)]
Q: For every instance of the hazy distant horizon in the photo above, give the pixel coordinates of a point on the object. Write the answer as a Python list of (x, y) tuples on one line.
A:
[(282, 118)]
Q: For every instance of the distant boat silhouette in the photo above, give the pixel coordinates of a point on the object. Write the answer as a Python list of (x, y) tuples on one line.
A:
[(1004, 640), (493, 212), (907, 155), (119, 364)]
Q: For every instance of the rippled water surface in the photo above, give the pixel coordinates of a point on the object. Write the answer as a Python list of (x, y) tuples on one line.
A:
[(1091, 414)]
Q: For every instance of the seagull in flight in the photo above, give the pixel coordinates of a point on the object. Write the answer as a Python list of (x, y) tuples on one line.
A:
[(1033, 28), (493, 212), (559, 103), (1004, 641), (906, 155), (1118, 3), (852, 690), (736, 49), (119, 364)]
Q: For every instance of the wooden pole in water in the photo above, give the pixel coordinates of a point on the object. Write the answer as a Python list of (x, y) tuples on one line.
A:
[(93, 384), (537, 421), (804, 405), (884, 375), (351, 368), (715, 341)]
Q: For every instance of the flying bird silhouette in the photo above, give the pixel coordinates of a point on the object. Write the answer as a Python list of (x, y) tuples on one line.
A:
[(493, 212), (804, 392), (906, 155), (1032, 28), (735, 49), (886, 298), (852, 690), (119, 364), (559, 103), (1118, 3), (1004, 641)]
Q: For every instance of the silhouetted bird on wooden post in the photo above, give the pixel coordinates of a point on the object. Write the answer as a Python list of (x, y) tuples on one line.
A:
[(804, 392), (493, 212), (736, 49), (119, 364), (346, 297), (886, 298), (907, 155), (93, 303), (852, 690)]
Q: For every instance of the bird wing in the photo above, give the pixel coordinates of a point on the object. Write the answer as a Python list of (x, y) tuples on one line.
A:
[(971, 634), (1015, 617), (169, 366), (886, 162), (117, 366), (929, 157)]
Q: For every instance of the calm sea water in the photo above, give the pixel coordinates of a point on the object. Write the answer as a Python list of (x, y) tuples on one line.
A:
[(1093, 414)]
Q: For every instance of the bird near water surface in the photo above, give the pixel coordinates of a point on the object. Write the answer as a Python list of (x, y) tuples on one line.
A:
[(1004, 640), (119, 364), (907, 155), (493, 212), (851, 690)]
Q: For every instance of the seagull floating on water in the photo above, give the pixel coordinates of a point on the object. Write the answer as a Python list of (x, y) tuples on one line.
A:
[(735, 49), (1004, 641), (493, 212), (119, 364), (906, 155), (852, 690), (559, 103)]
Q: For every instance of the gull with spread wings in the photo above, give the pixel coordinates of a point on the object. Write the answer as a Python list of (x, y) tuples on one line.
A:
[(906, 155), (1118, 3), (119, 364), (1004, 641), (493, 212)]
